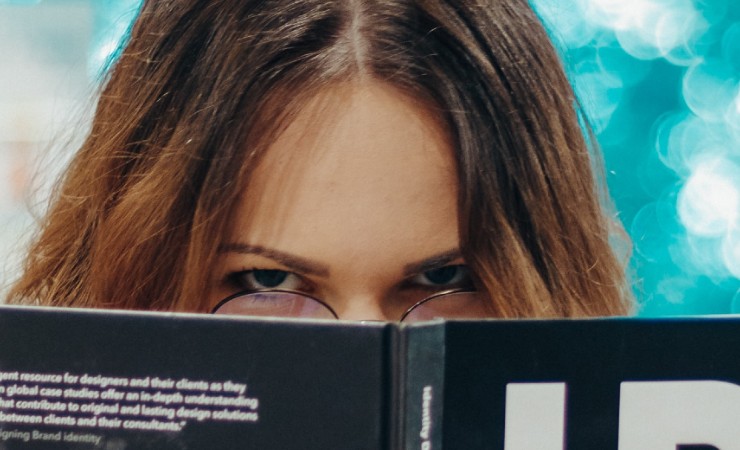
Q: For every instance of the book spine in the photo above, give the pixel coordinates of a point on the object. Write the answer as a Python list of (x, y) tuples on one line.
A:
[(422, 382)]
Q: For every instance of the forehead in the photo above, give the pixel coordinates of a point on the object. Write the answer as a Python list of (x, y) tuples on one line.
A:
[(361, 169)]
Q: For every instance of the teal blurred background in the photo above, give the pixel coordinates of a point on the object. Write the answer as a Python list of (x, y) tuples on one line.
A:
[(659, 81)]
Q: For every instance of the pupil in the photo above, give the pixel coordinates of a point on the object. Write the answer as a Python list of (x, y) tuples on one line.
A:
[(443, 275), (269, 278)]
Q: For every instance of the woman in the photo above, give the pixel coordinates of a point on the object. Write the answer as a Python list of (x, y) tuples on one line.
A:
[(357, 151)]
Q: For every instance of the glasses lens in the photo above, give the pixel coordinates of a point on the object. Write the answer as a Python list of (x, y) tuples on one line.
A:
[(275, 304), (456, 305)]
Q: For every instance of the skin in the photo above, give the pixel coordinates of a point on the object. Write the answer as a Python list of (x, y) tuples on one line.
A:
[(356, 201)]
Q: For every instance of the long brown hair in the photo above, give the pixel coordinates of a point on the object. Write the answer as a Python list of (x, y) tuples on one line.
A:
[(204, 85)]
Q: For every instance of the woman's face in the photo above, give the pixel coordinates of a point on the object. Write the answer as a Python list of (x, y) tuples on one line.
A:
[(355, 203)]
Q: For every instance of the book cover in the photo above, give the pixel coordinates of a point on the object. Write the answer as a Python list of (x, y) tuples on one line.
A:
[(89, 379), (76, 379), (606, 384)]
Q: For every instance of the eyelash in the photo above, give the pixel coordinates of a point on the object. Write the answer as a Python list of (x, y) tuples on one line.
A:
[(460, 279), (239, 280)]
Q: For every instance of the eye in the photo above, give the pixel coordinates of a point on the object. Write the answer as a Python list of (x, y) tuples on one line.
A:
[(258, 279), (444, 277)]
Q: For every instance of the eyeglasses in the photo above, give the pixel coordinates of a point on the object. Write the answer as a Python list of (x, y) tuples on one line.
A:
[(450, 304)]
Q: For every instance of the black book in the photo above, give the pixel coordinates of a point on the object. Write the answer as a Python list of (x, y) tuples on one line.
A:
[(121, 380)]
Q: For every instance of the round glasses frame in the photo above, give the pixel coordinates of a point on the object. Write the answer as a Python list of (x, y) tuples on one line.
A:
[(473, 306)]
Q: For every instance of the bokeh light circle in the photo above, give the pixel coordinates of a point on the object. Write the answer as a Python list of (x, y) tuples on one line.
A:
[(731, 252), (731, 46), (599, 93), (565, 22), (709, 203), (648, 236), (708, 89), (735, 303)]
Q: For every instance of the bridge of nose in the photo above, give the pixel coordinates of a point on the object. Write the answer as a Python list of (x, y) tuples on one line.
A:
[(363, 308)]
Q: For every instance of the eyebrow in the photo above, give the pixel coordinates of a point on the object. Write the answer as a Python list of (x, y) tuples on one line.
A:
[(433, 262), (309, 267), (295, 263)]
